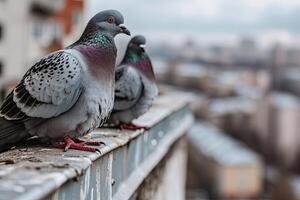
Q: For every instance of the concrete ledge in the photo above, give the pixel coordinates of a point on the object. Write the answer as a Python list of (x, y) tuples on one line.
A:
[(126, 159)]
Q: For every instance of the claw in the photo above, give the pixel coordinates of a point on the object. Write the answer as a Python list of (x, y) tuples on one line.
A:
[(77, 144)]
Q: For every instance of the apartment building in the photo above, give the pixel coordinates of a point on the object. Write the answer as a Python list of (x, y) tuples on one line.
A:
[(30, 29)]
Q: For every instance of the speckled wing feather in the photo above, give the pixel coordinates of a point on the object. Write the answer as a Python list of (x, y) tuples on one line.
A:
[(49, 88), (128, 88)]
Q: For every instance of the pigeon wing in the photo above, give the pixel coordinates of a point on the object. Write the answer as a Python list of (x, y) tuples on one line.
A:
[(128, 87), (50, 87)]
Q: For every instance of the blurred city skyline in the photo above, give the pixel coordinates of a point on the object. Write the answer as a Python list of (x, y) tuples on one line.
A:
[(237, 61), (219, 21)]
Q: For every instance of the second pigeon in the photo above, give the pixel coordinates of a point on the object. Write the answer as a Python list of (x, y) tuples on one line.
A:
[(135, 87)]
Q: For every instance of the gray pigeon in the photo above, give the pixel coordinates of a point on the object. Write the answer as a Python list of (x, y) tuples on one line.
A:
[(68, 93), (135, 87)]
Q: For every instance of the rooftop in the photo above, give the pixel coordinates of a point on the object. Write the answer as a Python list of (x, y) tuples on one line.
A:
[(223, 149)]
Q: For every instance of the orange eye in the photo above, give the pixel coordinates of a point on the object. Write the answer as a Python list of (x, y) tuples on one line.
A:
[(110, 19)]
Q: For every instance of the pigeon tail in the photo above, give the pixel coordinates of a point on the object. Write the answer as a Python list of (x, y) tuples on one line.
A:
[(11, 133)]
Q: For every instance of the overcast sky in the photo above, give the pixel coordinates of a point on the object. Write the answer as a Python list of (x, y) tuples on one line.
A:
[(278, 18)]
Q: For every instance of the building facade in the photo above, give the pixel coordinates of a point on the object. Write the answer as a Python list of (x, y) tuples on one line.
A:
[(29, 29)]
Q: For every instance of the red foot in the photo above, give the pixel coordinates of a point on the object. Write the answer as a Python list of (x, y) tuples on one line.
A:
[(132, 127), (77, 144)]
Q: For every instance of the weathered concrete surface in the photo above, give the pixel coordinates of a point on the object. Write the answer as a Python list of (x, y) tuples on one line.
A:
[(125, 160)]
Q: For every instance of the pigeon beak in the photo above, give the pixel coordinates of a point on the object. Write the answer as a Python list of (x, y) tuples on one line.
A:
[(124, 30), (142, 46)]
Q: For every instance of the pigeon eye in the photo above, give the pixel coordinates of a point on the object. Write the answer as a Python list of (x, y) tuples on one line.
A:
[(110, 19)]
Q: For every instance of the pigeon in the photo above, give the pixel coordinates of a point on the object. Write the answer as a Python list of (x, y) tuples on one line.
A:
[(68, 93), (135, 87)]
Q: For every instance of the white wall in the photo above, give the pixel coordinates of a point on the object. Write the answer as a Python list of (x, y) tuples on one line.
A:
[(14, 20), (18, 47)]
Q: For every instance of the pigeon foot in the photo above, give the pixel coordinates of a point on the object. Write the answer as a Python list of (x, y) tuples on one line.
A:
[(77, 144)]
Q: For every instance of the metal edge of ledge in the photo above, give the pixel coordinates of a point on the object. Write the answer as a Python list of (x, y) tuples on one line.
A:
[(128, 187)]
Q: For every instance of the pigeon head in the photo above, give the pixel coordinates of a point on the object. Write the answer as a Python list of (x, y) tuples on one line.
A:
[(137, 43), (109, 22), (137, 57), (135, 49)]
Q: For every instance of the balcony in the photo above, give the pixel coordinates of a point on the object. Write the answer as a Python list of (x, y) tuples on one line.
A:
[(132, 164)]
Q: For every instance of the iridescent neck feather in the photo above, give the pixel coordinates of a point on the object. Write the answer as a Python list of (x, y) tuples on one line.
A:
[(100, 53), (140, 61)]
